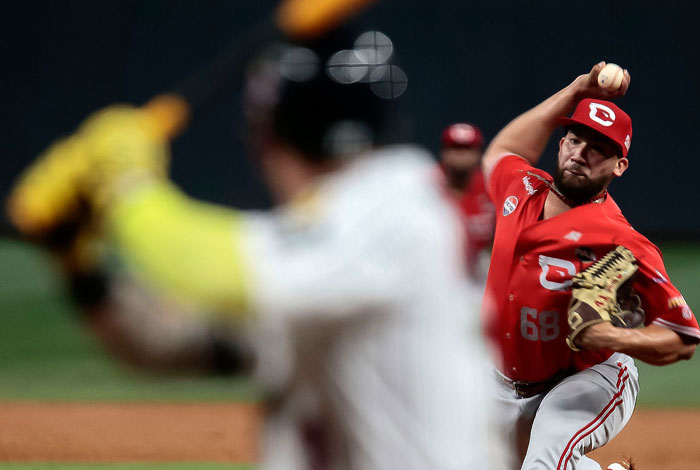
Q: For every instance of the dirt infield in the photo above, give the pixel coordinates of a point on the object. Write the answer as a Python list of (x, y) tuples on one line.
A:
[(128, 432), (657, 439)]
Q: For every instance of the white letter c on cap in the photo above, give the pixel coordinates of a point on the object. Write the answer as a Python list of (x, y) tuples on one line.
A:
[(608, 115)]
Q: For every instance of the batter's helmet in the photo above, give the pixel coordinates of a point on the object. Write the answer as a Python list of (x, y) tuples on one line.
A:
[(327, 98), (463, 135)]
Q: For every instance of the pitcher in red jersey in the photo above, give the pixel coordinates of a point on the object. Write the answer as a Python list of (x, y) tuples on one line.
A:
[(559, 404)]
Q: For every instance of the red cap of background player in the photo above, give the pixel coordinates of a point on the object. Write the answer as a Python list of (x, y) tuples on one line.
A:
[(462, 134), (606, 118)]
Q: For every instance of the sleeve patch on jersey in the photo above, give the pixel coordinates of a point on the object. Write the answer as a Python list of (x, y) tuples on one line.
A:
[(686, 330), (510, 205), (674, 302), (687, 313)]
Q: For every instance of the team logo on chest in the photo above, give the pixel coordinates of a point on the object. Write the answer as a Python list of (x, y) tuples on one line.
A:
[(510, 205)]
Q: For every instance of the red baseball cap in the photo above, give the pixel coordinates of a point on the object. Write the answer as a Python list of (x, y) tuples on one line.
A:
[(462, 134), (604, 117)]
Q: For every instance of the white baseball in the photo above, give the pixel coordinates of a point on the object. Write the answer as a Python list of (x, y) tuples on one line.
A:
[(610, 77)]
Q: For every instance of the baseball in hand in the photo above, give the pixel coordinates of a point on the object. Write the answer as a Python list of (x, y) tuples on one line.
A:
[(610, 77)]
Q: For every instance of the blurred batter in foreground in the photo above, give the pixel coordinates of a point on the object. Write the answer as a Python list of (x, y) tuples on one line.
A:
[(351, 293)]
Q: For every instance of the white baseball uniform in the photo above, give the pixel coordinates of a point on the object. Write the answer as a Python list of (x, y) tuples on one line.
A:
[(364, 324), (364, 283)]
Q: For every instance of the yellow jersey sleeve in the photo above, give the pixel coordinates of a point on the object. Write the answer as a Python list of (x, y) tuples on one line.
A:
[(189, 249)]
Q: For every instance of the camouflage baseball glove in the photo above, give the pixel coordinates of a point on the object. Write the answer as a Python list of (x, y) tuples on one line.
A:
[(603, 292)]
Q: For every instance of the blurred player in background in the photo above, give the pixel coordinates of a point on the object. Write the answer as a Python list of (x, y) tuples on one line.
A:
[(350, 294), (562, 401), (462, 146)]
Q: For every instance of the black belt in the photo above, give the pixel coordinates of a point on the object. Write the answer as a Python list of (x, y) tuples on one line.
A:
[(530, 389)]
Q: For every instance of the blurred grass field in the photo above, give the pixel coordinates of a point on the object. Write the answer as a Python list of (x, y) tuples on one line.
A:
[(46, 354)]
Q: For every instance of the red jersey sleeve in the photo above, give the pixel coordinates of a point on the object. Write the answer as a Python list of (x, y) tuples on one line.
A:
[(502, 174), (663, 304)]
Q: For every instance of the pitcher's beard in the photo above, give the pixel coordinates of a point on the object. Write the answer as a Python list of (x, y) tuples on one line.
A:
[(579, 190)]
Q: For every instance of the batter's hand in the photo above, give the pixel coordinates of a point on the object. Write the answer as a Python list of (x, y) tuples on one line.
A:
[(586, 85)]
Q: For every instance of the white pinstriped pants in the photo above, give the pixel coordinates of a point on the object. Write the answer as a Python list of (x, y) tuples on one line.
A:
[(581, 413)]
